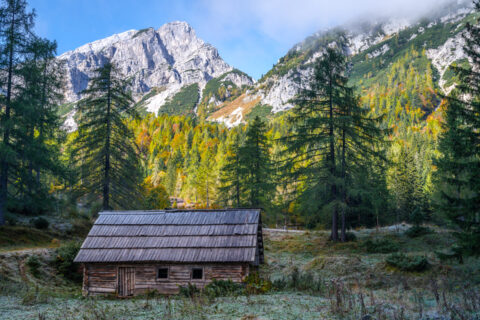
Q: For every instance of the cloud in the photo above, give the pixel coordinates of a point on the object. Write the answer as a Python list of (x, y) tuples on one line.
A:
[(290, 21)]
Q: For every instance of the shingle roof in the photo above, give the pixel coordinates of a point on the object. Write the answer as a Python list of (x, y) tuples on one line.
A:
[(173, 236)]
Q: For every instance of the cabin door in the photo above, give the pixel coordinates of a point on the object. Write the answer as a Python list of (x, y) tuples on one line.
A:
[(126, 281)]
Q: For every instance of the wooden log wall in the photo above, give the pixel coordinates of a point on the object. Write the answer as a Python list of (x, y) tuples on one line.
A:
[(102, 278)]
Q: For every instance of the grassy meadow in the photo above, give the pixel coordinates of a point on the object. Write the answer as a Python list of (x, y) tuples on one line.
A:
[(305, 277)]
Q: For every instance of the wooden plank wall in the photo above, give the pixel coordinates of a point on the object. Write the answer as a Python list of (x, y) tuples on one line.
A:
[(102, 278)]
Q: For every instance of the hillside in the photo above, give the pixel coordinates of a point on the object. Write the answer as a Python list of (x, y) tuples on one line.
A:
[(159, 63), (162, 64), (374, 48)]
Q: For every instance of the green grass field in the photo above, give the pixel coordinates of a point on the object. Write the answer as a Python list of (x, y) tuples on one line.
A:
[(312, 279)]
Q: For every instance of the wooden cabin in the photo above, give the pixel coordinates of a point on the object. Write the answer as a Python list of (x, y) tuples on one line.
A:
[(131, 252)]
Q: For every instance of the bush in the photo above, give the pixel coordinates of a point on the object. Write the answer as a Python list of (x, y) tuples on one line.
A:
[(81, 227), (418, 231), (64, 257), (408, 263), (189, 291), (380, 246), (350, 236), (33, 263), (223, 288), (40, 223), (11, 219), (300, 282), (257, 285), (35, 295)]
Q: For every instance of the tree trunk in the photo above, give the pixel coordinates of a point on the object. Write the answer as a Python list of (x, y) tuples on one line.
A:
[(208, 200), (237, 183), (106, 182), (6, 135), (343, 235), (334, 233)]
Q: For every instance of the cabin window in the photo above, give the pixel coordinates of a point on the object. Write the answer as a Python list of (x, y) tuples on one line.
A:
[(162, 273), (197, 273)]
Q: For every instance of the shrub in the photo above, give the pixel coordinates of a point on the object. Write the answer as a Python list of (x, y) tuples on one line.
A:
[(223, 288), (350, 236), (40, 223), (11, 219), (407, 263), (257, 285), (64, 257), (34, 295), (81, 227), (189, 291), (380, 246), (299, 281), (417, 231), (33, 263)]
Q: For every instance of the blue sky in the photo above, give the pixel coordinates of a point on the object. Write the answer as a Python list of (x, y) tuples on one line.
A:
[(250, 35)]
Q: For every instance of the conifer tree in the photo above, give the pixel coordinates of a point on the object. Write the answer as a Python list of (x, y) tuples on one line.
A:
[(360, 147), (39, 91), (313, 141), (458, 171), (332, 137), (231, 174), (105, 151), (256, 165), (15, 30)]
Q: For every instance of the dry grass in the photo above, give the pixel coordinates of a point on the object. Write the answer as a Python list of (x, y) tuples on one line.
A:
[(244, 102)]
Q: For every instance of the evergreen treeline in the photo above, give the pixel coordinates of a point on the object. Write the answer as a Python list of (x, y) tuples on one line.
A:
[(343, 157), (31, 85)]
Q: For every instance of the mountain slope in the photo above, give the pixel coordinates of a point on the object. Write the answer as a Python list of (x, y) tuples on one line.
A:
[(159, 63), (373, 47)]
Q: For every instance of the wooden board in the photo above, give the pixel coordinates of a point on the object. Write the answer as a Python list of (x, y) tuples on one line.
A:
[(138, 278), (126, 281)]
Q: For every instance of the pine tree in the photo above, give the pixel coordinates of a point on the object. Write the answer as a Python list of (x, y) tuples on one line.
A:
[(332, 138), (313, 142), (458, 171), (39, 92), (105, 150), (361, 147), (407, 186), (15, 29), (206, 177), (231, 179), (256, 165)]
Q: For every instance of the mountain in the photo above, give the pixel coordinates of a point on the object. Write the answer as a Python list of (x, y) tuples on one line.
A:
[(161, 63), (175, 72), (374, 48)]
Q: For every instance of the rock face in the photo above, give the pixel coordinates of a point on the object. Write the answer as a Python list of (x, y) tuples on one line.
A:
[(167, 59), (368, 40)]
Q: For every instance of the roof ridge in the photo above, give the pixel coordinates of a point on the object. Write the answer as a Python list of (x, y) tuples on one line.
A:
[(173, 211)]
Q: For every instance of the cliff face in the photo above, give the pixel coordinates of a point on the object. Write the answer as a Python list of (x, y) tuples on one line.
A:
[(168, 59), (372, 47)]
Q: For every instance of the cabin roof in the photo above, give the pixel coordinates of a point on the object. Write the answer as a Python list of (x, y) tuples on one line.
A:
[(184, 236)]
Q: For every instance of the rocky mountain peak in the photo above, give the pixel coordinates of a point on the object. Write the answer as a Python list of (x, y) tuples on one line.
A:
[(166, 59)]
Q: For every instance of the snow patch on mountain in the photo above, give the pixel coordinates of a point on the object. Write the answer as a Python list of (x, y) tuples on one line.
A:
[(170, 57)]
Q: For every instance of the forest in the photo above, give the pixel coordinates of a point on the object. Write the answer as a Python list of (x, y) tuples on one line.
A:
[(373, 175), (350, 154)]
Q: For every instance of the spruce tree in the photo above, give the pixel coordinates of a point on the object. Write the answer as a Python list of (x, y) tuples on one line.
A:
[(230, 176), (313, 140), (332, 138), (458, 171), (39, 91), (361, 148), (15, 30), (256, 167), (105, 151)]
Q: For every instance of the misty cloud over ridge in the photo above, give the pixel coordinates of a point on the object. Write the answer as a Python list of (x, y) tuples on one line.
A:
[(292, 20)]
